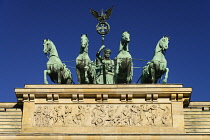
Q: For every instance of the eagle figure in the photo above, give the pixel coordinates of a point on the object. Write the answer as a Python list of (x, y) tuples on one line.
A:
[(101, 17)]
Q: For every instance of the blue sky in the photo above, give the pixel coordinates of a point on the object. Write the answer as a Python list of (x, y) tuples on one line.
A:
[(25, 23)]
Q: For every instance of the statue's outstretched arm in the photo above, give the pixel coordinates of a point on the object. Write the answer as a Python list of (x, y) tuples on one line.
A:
[(99, 51)]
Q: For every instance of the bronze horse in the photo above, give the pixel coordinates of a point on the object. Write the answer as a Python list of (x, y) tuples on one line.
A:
[(56, 70), (124, 67), (84, 69), (154, 70)]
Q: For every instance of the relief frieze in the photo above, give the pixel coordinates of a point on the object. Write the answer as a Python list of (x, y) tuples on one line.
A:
[(102, 115)]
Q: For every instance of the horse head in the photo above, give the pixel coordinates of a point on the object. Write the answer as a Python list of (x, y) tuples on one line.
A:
[(84, 41), (124, 41), (47, 46), (125, 37), (163, 43)]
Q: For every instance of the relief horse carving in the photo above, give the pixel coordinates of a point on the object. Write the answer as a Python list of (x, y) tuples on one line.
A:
[(84, 69), (56, 70), (124, 67), (155, 69)]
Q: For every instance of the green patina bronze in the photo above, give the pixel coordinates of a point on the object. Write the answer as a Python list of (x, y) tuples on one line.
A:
[(104, 70), (104, 67), (56, 70), (102, 27), (155, 69), (84, 67), (124, 67)]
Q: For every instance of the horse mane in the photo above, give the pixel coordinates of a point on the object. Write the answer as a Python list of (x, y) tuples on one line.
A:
[(160, 42), (54, 48), (122, 45)]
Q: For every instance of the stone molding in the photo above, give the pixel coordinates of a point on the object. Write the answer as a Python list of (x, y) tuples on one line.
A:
[(104, 93)]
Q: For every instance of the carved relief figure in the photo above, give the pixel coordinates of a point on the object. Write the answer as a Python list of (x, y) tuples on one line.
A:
[(46, 116), (98, 115), (126, 116), (111, 118), (67, 115), (38, 116), (79, 118), (166, 116), (134, 115)]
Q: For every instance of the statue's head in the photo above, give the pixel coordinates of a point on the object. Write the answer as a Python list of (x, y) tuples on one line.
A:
[(107, 53), (126, 36)]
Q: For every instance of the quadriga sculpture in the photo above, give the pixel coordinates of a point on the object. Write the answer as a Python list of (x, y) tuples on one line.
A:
[(56, 70), (124, 67), (84, 68), (154, 70)]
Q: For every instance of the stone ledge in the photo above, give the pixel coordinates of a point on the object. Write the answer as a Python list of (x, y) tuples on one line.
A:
[(108, 137), (103, 86), (124, 93)]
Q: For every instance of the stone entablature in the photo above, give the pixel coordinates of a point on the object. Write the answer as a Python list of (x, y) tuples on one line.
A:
[(103, 109)]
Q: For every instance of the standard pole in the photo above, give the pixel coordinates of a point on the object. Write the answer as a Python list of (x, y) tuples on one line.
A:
[(104, 70)]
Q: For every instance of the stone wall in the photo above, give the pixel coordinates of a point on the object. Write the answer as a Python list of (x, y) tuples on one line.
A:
[(104, 112), (10, 118), (197, 118)]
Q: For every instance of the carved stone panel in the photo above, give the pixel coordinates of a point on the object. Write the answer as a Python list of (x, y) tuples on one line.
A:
[(104, 115)]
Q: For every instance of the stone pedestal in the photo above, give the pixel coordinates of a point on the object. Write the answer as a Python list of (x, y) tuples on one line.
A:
[(104, 109)]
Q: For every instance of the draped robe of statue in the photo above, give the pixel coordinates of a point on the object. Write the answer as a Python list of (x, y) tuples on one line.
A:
[(104, 68)]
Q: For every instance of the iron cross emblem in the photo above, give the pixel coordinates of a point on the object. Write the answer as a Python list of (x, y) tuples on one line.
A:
[(102, 28)]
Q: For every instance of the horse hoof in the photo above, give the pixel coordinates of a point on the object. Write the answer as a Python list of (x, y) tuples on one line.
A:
[(164, 82), (87, 81), (45, 82)]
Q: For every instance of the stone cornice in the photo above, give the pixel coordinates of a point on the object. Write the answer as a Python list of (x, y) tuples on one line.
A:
[(125, 93)]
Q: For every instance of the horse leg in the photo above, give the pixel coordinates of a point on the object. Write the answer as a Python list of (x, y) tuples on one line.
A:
[(116, 73), (153, 74), (129, 73), (68, 81), (46, 72), (118, 62), (93, 73), (86, 76), (166, 76), (59, 77), (78, 76), (156, 68)]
